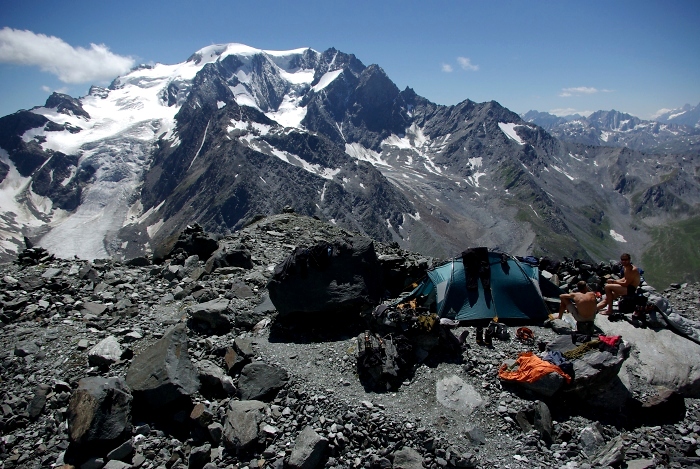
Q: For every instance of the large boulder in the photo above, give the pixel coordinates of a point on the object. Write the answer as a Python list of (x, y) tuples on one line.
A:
[(163, 373), (99, 411), (328, 278), (192, 241), (662, 357), (229, 256)]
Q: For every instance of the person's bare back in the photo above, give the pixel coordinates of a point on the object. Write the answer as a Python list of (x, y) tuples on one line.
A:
[(582, 304), (586, 304)]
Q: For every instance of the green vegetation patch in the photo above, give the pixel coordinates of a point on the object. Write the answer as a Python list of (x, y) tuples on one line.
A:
[(674, 255)]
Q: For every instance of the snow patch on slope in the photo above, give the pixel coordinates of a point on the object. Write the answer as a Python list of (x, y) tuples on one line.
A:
[(359, 152), (15, 213), (417, 142), (509, 130), (326, 80), (617, 237)]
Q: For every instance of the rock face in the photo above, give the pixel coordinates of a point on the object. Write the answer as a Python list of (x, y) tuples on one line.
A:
[(163, 373)]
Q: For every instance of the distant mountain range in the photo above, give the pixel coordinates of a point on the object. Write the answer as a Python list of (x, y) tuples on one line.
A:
[(676, 131), (235, 132)]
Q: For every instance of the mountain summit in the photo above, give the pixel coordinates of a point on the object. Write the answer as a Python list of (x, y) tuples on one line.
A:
[(235, 132)]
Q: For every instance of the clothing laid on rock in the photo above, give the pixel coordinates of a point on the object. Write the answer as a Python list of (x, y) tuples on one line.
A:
[(557, 358), (530, 368)]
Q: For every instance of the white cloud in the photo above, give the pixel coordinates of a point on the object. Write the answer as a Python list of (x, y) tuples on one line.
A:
[(53, 55), (660, 112), (467, 64), (581, 90), (447, 68), (568, 111), (48, 89)]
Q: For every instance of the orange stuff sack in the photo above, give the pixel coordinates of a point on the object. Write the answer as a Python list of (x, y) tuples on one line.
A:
[(530, 369)]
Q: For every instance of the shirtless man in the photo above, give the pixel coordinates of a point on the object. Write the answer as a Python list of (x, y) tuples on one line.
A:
[(627, 285), (582, 306)]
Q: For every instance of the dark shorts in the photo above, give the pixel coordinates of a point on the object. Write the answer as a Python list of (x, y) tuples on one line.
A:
[(631, 290)]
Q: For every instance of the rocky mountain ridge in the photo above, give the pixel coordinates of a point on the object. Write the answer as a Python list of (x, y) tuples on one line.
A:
[(618, 129), (687, 115), (236, 132)]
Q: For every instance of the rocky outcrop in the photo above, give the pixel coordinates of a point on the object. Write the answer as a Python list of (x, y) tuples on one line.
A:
[(327, 278)]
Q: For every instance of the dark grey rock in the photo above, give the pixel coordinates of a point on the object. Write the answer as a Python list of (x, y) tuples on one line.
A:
[(199, 456), (229, 257), (242, 424), (122, 452), (408, 458), (543, 421), (234, 361), (216, 432), (115, 464), (211, 317), (99, 411), (36, 405), (309, 448), (327, 278), (106, 352), (214, 381), (241, 290), (259, 381), (612, 454), (163, 373), (28, 347), (591, 440), (94, 308)]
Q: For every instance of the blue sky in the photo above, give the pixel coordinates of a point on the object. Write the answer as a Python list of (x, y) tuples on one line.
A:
[(556, 56)]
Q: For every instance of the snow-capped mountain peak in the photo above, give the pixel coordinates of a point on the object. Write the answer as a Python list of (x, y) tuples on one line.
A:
[(234, 132)]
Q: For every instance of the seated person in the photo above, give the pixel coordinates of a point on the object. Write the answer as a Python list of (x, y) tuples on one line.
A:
[(582, 304), (627, 285)]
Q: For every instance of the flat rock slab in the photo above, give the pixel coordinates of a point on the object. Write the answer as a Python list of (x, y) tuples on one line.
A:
[(455, 394), (661, 357)]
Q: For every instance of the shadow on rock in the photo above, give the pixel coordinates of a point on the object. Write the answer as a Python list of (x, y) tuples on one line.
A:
[(305, 328)]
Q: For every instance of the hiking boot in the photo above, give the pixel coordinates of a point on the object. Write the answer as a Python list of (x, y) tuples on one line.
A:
[(488, 337)]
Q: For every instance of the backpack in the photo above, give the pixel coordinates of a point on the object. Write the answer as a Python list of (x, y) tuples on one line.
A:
[(628, 304), (382, 361)]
